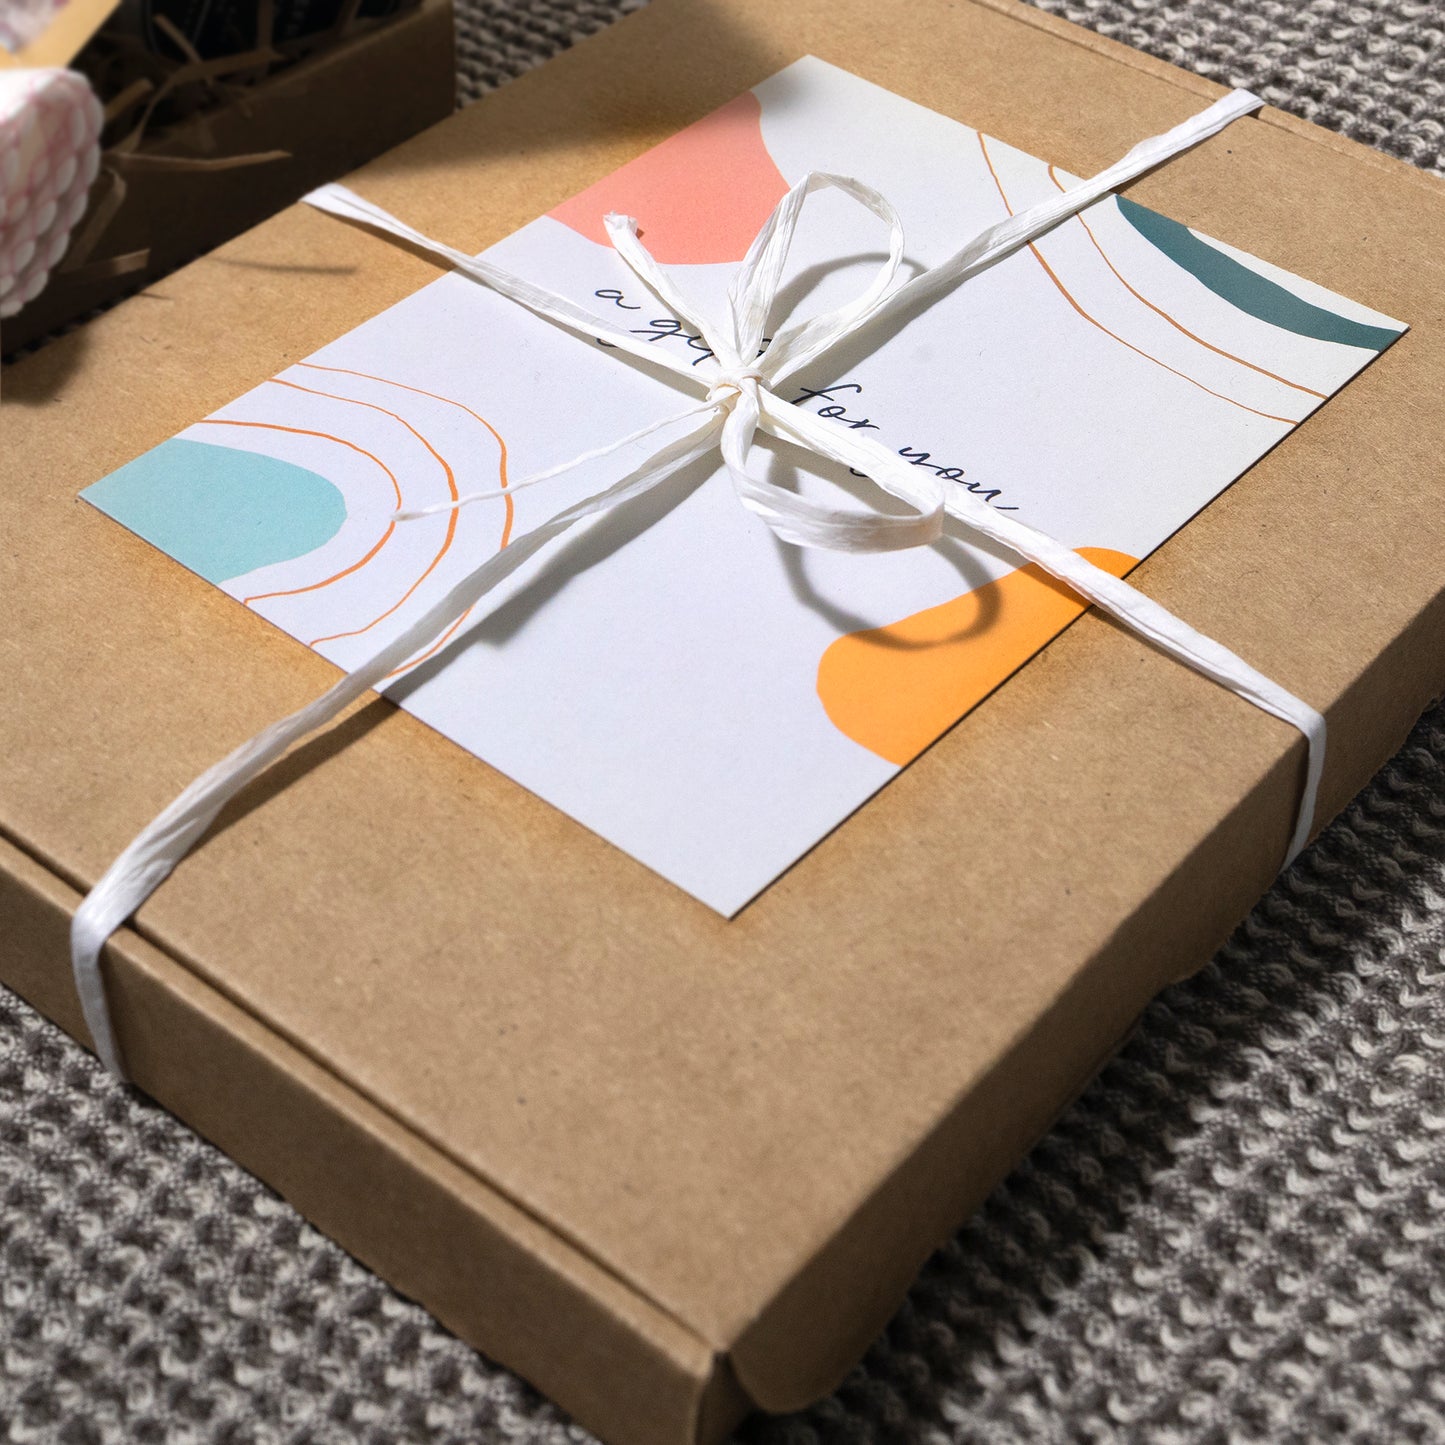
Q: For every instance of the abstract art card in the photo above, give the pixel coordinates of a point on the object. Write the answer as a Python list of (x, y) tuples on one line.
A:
[(705, 697)]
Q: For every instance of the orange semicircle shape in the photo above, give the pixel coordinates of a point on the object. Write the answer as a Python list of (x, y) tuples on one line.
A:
[(699, 197), (896, 689)]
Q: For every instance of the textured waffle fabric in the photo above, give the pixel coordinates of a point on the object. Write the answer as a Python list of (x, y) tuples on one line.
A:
[(1234, 1235)]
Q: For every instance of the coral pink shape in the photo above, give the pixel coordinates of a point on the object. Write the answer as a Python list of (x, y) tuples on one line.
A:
[(699, 197)]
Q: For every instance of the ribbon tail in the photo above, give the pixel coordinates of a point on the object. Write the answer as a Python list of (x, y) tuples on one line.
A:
[(1001, 240), (1172, 635), (162, 844), (806, 523), (338, 200)]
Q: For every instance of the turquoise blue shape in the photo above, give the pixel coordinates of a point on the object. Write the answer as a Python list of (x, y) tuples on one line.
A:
[(1252, 293), (220, 511)]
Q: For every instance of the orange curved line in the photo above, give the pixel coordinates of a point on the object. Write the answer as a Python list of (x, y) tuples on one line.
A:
[(508, 517), (450, 401), (436, 647), (1179, 326), (451, 519), (335, 577), (1064, 292), (340, 441)]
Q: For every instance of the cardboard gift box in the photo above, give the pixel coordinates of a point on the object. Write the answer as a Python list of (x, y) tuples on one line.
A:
[(667, 1166), (180, 191)]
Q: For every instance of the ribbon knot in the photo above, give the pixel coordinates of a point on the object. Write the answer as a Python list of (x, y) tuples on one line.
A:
[(729, 382), (739, 399)]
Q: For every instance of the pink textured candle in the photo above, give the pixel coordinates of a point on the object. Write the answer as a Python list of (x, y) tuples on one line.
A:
[(50, 124)]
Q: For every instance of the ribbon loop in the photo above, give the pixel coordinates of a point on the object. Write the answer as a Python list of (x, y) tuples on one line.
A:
[(754, 289), (622, 232), (802, 522), (796, 345)]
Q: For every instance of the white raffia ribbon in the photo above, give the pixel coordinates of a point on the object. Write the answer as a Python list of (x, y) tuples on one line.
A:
[(740, 399)]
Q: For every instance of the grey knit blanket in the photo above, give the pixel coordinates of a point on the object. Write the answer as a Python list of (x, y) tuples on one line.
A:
[(1235, 1234)]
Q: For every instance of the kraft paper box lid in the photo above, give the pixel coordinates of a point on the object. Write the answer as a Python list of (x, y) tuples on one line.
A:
[(663, 1164)]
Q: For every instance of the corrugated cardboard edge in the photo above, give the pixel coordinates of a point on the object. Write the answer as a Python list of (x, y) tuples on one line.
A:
[(506, 1282), (628, 1368)]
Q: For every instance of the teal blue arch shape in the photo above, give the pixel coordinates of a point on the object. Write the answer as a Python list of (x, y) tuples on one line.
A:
[(221, 511), (1247, 290)]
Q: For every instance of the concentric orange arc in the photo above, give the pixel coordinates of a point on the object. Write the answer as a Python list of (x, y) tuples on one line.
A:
[(450, 401), (340, 441), (1179, 326), (508, 517), (436, 647), (451, 519), (1093, 321)]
